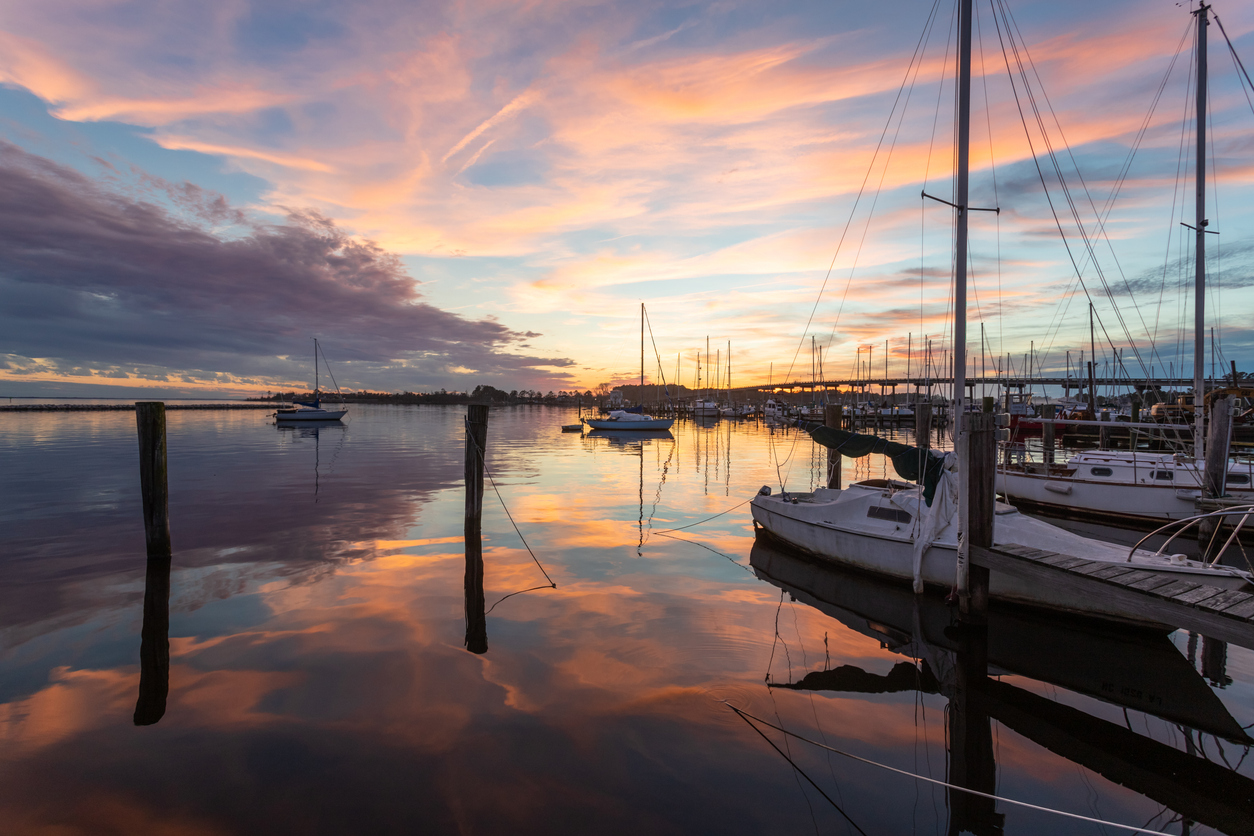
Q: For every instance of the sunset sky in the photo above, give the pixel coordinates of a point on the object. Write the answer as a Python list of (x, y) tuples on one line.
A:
[(448, 194)]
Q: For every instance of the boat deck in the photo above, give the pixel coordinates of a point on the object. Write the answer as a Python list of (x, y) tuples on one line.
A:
[(1224, 614)]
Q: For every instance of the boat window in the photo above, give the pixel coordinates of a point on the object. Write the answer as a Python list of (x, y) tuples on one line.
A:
[(1238, 479), (1164, 475), (1101, 471), (877, 512)]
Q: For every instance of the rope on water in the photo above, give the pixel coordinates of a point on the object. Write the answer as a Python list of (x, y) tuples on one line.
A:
[(744, 715), (483, 457), (707, 519)]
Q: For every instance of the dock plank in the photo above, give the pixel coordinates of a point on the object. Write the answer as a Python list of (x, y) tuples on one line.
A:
[(1243, 610), (1150, 584), (1173, 605), (1132, 577), (1113, 571), (1226, 599), (1198, 595), (1175, 588), (1094, 566)]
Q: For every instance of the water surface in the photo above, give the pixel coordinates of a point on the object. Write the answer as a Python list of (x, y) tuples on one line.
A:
[(321, 679)]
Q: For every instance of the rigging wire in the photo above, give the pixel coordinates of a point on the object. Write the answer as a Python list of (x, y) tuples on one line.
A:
[(1023, 60)]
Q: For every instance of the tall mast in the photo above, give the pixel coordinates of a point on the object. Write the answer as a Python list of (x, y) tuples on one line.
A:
[(315, 367), (960, 276), (642, 353), (1199, 268)]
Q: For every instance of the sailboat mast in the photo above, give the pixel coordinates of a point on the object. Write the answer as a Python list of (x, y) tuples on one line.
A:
[(1199, 268), (315, 366), (960, 255), (642, 353)]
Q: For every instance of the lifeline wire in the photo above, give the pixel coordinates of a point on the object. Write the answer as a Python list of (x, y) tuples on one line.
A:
[(744, 715), (483, 458)]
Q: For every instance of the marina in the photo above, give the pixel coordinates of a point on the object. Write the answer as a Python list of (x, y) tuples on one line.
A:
[(962, 543)]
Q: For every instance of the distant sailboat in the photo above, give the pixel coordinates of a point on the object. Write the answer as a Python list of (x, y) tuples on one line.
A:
[(312, 410), (621, 419)]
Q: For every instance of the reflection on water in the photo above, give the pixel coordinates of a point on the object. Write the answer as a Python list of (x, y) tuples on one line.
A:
[(316, 651)]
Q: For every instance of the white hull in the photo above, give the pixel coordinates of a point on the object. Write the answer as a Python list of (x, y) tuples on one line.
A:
[(1135, 487), (837, 525), (311, 415), (628, 424)]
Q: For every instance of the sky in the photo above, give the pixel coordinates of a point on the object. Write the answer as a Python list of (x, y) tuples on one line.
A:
[(449, 194)]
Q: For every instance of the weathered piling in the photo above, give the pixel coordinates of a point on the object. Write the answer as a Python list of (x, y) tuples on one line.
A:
[(150, 421), (981, 467), (923, 425), (154, 643), (1049, 412), (476, 446), (1092, 393), (832, 417), (972, 762), (1214, 479)]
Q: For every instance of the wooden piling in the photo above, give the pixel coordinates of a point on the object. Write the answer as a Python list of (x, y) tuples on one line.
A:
[(153, 485), (1092, 393), (1049, 411), (1214, 477), (476, 447), (981, 467), (832, 415), (923, 425)]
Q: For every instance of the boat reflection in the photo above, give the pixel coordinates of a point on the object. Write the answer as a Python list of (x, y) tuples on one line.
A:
[(315, 430), (1131, 669), (628, 439)]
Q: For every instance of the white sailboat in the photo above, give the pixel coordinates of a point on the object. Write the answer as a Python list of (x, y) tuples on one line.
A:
[(1132, 486), (311, 410), (623, 420), (890, 527)]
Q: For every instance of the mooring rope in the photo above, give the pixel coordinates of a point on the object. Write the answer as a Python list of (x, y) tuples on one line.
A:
[(483, 457), (746, 716), (707, 519)]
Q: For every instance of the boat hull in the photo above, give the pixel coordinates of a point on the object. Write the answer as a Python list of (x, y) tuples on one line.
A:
[(655, 424), (306, 415), (817, 526)]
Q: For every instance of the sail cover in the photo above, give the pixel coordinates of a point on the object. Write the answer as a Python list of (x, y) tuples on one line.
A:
[(908, 461)]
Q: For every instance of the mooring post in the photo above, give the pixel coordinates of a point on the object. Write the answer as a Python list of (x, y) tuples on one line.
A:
[(832, 417), (923, 425), (476, 447), (1215, 473), (150, 421), (1049, 412), (154, 642), (1092, 393), (981, 461)]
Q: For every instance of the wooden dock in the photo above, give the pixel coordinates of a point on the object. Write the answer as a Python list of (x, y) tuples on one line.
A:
[(1224, 614)]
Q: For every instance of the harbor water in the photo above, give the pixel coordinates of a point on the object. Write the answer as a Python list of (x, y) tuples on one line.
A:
[(333, 668)]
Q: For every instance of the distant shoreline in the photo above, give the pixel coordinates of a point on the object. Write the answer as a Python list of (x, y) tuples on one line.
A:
[(121, 407)]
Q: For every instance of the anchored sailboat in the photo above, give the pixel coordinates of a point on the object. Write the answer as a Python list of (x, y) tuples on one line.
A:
[(312, 410), (624, 420)]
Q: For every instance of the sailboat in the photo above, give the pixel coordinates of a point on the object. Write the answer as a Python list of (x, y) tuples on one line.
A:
[(1131, 486), (621, 419), (312, 410), (911, 531)]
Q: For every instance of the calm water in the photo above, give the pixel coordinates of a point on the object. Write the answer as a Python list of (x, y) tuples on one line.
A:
[(320, 680)]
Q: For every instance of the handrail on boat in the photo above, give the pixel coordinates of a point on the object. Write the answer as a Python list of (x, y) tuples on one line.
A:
[(1244, 510)]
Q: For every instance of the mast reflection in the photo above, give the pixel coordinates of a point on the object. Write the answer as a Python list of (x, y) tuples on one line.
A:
[(154, 643), (1132, 669)]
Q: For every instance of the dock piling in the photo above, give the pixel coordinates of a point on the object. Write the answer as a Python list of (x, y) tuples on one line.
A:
[(832, 416), (150, 421), (476, 448), (981, 453)]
